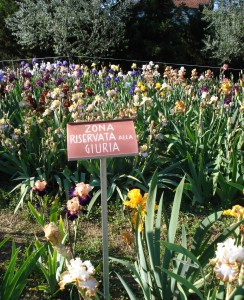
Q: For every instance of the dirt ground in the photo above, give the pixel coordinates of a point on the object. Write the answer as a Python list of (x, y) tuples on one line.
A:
[(24, 230), (20, 229)]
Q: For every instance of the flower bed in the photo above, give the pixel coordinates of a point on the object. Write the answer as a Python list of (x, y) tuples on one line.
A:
[(189, 129)]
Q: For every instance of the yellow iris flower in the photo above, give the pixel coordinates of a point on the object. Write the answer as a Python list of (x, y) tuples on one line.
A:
[(135, 198), (138, 203), (157, 86), (237, 212)]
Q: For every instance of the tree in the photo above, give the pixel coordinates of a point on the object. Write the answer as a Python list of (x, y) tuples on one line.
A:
[(7, 44), (224, 39), (160, 31), (148, 28), (70, 27)]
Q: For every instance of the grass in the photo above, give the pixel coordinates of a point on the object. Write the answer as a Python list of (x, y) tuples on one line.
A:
[(23, 230)]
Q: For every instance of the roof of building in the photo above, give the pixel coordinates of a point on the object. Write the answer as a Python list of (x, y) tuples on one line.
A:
[(191, 3)]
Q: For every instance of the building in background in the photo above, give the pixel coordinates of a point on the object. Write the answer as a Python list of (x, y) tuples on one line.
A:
[(192, 3)]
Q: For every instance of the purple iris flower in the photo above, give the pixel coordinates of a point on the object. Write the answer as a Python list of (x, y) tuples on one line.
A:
[(59, 81), (94, 72), (46, 77), (106, 84), (65, 63), (39, 83), (134, 73), (78, 85), (37, 206), (235, 89), (71, 191), (132, 88), (27, 87), (82, 201), (27, 75), (116, 79), (227, 100), (11, 77), (41, 193), (79, 73), (34, 60), (1, 75), (203, 89), (71, 217)]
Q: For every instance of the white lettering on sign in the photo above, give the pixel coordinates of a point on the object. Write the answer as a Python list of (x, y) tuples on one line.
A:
[(101, 148), (100, 127), (91, 138), (125, 137), (97, 138), (101, 139)]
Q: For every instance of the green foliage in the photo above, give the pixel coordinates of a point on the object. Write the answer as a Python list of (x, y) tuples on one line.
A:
[(150, 21), (70, 27), (208, 149), (165, 269), (17, 273), (51, 265), (148, 30), (224, 32), (159, 31), (8, 46), (204, 141), (230, 186)]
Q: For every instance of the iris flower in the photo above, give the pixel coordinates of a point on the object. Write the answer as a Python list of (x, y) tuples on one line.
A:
[(53, 234), (73, 207), (82, 191), (81, 273), (157, 86), (135, 198), (227, 260), (237, 212), (1, 76), (40, 187), (138, 203), (179, 107)]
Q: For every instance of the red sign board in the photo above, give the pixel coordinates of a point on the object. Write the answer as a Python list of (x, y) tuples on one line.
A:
[(101, 139)]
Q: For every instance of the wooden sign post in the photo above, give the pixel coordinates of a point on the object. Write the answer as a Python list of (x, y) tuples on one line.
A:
[(90, 140)]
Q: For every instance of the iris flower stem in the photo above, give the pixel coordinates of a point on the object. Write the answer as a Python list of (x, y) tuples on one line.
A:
[(241, 275), (70, 242), (228, 291), (80, 297)]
